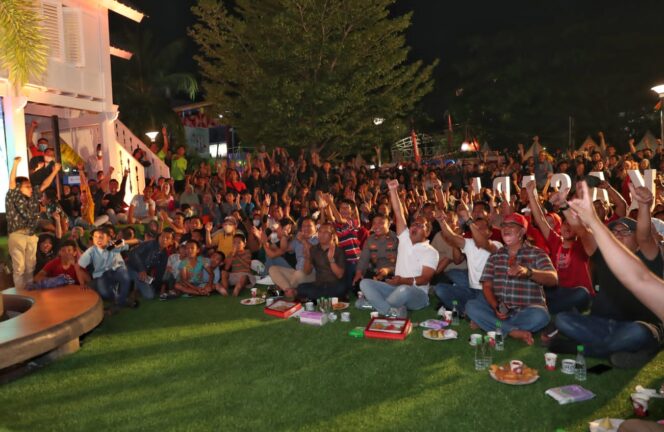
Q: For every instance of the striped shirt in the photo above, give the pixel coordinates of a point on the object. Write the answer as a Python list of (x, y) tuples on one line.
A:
[(517, 293), (241, 262), (348, 241)]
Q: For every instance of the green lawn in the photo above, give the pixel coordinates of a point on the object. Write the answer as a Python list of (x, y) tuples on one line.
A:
[(212, 364)]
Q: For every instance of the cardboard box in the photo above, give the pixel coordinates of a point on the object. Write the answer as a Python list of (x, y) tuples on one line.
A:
[(282, 308), (388, 328), (313, 318)]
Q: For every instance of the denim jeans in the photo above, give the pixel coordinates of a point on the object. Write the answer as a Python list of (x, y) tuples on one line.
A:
[(532, 318), (567, 299), (315, 290), (602, 336), (458, 290), (106, 283), (383, 296), (146, 290)]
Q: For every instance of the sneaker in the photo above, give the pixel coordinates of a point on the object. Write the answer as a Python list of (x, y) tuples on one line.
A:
[(631, 360), (363, 304), (400, 312), (163, 296)]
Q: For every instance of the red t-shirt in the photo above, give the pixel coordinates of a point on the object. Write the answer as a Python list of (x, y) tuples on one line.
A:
[(54, 268), (571, 263)]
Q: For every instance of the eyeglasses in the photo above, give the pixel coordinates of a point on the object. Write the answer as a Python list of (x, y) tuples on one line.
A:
[(622, 232)]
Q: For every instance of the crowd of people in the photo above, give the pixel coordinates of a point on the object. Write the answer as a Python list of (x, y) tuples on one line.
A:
[(534, 261)]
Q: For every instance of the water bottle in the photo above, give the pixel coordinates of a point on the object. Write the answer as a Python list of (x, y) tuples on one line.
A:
[(580, 364), (488, 352), (479, 355), (500, 342), (455, 313)]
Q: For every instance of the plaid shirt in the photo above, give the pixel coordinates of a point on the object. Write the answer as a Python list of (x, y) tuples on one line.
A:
[(517, 293), (22, 211)]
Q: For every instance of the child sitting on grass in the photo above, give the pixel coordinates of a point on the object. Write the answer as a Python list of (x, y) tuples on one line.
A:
[(237, 269), (195, 277)]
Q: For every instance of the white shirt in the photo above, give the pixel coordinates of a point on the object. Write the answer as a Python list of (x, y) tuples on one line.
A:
[(412, 257), (476, 258), (94, 166), (141, 206)]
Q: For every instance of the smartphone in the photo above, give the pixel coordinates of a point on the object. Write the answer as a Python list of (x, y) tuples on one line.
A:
[(599, 369)]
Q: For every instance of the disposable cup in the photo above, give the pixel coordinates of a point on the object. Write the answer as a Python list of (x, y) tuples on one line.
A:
[(550, 361), (568, 366), (309, 306), (335, 300), (448, 316), (516, 366), (475, 338), (254, 291), (374, 314), (640, 404), (345, 316)]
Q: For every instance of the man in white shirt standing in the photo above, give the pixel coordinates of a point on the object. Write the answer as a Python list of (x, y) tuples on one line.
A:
[(416, 264)]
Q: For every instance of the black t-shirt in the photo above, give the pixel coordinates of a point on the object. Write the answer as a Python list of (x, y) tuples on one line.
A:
[(614, 301)]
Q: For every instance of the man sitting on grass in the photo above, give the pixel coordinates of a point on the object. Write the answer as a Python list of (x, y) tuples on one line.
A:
[(416, 264), (512, 283), (237, 269)]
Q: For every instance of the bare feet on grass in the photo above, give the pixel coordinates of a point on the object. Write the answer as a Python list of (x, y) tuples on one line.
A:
[(523, 335), (473, 325)]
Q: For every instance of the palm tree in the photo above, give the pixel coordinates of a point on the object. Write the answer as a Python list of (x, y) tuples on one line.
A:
[(145, 85), (23, 50)]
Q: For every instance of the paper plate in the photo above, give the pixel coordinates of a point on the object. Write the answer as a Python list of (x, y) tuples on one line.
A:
[(252, 301), (595, 425), (511, 382), (340, 306), (448, 334)]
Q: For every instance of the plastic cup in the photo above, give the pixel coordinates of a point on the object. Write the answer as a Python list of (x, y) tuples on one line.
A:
[(345, 316), (640, 404), (516, 366), (550, 361), (335, 300), (254, 292), (309, 306), (475, 339), (374, 314), (448, 316), (492, 335), (568, 366)]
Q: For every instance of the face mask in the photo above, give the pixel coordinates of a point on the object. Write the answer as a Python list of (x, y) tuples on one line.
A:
[(43, 147), (228, 229), (257, 222), (274, 237)]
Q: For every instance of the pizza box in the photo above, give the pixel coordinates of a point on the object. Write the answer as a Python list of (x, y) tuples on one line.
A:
[(282, 308), (388, 328)]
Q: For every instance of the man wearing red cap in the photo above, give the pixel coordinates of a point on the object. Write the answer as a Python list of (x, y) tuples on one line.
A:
[(513, 285)]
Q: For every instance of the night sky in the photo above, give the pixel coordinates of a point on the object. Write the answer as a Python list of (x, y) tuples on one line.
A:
[(442, 29)]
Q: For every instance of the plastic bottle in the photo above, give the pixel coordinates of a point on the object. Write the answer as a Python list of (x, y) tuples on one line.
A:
[(580, 364), (500, 342), (479, 355), (488, 352), (455, 313)]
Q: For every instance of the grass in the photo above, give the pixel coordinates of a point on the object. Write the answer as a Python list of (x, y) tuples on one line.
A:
[(211, 364)]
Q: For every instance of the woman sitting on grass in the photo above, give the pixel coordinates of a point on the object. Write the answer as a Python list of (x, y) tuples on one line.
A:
[(195, 277), (237, 268)]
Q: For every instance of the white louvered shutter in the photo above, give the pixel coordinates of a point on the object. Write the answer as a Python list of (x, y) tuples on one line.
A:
[(52, 23), (73, 36)]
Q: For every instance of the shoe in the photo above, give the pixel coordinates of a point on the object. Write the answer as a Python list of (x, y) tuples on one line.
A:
[(631, 360), (163, 296), (363, 304), (400, 312)]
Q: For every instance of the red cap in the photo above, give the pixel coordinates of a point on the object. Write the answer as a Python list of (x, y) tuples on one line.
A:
[(517, 219)]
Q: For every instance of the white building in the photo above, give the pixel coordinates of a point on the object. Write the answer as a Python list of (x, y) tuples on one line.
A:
[(76, 88)]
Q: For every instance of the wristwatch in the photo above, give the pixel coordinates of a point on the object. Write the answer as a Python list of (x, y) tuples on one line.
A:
[(529, 272)]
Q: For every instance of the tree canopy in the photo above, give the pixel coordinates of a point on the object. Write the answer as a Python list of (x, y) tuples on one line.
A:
[(309, 72)]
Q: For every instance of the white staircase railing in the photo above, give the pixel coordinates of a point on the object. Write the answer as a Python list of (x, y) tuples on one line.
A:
[(130, 142)]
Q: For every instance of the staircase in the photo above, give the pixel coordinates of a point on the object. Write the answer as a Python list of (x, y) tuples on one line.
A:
[(130, 142)]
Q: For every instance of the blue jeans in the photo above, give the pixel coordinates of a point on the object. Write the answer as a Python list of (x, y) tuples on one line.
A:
[(459, 290), (532, 318), (567, 299), (146, 290), (106, 283), (602, 336), (383, 296), (315, 290)]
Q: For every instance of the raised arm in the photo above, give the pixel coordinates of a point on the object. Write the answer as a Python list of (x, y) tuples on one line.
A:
[(455, 239), (397, 208), (164, 135), (29, 135), (615, 198), (47, 182), (536, 209), (12, 174), (644, 237)]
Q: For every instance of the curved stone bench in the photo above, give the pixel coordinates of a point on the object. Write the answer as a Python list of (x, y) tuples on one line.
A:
[(51, 322)]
